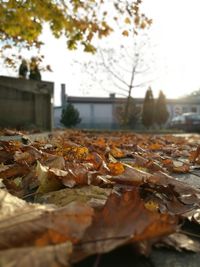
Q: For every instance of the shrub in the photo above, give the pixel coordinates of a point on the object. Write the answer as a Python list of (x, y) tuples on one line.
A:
[(70, 116)]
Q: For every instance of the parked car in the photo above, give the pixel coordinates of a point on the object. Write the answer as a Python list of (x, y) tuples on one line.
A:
[(189, 122)]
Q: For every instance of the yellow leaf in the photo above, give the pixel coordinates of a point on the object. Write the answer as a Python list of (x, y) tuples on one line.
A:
[(151, 205), (137, 20), (127, 21), (116, 168), (7, 47), (117, 153), (125, 33), (143, 25)]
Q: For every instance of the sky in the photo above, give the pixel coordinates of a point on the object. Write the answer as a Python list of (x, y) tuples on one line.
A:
[(176, 33), (173, 46)]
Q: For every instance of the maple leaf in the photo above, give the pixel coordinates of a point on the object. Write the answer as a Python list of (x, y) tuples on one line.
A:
[(123, 219)]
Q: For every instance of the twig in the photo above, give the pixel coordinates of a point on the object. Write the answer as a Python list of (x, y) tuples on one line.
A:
[(189, 233), (97, 260), (30, 195)]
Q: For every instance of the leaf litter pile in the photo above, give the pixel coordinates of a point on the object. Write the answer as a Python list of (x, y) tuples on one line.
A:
[(85, 193)]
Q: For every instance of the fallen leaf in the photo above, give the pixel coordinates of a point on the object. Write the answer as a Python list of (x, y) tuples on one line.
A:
[(181, 242), (124, 218), (25, 224), (14, 170), (94, 196), (47, 182), (51, 256)]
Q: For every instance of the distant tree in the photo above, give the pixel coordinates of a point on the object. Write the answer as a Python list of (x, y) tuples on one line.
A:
[(148, 109), (130, 119), (127, 67), (162, 113), (70, 116)]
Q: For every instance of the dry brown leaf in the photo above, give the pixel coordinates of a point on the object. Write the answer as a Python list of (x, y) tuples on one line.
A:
[(51, 256), (131, 176), (27, 155), (181, 242), (23, 224), (47, 182), (94, 196), (14, 170), (124, 218), (194, 155)]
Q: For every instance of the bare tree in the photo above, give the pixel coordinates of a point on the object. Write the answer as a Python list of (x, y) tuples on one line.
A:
[(124, 72), (120, 67)]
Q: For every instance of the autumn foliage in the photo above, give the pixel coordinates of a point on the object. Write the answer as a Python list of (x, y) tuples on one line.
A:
[(79, 22), (82, 193)]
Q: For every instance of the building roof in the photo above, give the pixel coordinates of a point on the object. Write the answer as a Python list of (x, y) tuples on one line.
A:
[(184, 100), (100, 100), (112, 100), (80, 99)]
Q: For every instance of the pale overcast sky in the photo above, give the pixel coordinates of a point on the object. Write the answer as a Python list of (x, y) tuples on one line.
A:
[(176, 30), (174, 36)]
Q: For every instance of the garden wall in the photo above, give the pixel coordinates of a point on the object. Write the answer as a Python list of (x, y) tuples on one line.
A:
[(26, 104)]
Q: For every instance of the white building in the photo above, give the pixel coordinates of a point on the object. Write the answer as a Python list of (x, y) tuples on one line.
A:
[(100, 112), (95, 112)]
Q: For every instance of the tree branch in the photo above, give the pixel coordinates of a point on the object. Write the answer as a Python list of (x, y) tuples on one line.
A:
[(111, 72), (142, 84)]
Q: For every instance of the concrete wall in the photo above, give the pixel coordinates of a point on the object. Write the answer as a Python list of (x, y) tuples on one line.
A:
[(26, 104)]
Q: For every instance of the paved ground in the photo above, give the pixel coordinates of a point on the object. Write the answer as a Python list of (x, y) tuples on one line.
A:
[(125, 257)]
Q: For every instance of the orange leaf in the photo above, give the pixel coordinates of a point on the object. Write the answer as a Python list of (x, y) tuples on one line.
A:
[(116, 168)]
